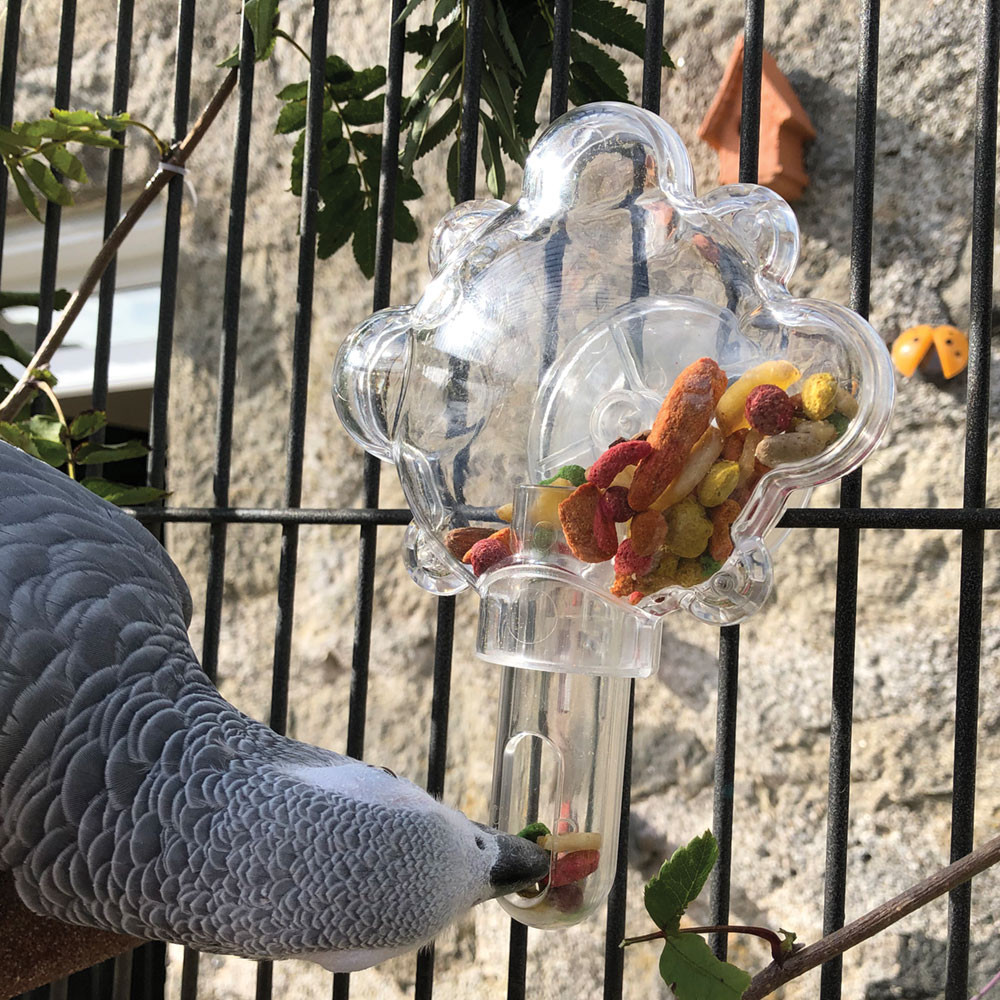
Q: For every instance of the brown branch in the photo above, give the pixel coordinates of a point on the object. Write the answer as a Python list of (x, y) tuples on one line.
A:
[(767, 981), (18, 396)]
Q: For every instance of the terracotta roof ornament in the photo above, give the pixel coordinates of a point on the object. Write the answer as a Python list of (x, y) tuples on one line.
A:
[(784, 128)]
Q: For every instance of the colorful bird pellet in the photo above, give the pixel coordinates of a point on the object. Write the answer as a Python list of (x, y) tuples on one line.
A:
[(485, 554), (719, 482), (819, 395), (720, 545), (458, 541), (618, 457), (688, 529), (769, 410), (647, 532), (628, 562), (576, 515), (615, 503), (682, 419)]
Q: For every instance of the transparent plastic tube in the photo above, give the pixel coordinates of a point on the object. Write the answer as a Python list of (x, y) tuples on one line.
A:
[(559, 761)]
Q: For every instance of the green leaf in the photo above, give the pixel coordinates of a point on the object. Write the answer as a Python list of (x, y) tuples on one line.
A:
[(444, 57), (337, 70), (261, 15), (496, 179), (86, 138), (24, 191), (87, 119), (36, 132), (408, 10), (7, 381), (443, 9), (503, 29), (407, 188), (605, 67), (66, 163), (87, 423), (363, 244), (361, 84), (538, 62), (18, 436), (45, 428), (609, 23), (291, 118), (688, 966), (405, 229), (95, 454), (360, 112), (43, 179), (421, 40), (232, 61), (452, 170), (500, 98), (668, 894), (341, 210), (294, 91), (122, 494), (575, 474), (9, 144), (440, 130), (116, 123), (10, 348)]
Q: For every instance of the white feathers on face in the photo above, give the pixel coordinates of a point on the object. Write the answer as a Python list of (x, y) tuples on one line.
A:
[(474, 848)]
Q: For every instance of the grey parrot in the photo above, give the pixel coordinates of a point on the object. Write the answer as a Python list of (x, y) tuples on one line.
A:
[(134, 798)]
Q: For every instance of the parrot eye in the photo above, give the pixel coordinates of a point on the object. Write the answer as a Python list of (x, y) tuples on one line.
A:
[(480, 842)]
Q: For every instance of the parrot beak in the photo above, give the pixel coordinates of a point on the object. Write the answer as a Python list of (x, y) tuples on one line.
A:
[(520, 863)]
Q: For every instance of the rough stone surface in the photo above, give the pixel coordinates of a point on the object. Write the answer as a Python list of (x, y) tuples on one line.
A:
[(908, 597)]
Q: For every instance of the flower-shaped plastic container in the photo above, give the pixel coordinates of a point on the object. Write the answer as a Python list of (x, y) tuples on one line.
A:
[(610, 378)]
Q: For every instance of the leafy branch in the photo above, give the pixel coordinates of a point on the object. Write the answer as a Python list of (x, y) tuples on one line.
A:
[(516, 57), (693, 972), (37, 156)]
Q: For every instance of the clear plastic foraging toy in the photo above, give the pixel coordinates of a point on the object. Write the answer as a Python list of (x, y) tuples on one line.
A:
[(598, 409)]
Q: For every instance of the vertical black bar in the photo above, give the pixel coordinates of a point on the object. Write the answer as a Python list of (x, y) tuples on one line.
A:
[(112, 210), (753, 59), (8, 74), (438, 756), (358, 707), (227, 392), (470, 99), (976, 438), (157, 461), (559, 97), (614, 954), (845, 610), (299, 389), (725, 781), (53, 212)]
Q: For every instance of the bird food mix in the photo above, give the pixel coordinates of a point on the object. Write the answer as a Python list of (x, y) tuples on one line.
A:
[(576, 856), (661, 506)]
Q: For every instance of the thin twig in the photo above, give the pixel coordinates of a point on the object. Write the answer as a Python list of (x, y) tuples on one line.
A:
[(15, 399), (987, 987), (54, 400), (767, 981)]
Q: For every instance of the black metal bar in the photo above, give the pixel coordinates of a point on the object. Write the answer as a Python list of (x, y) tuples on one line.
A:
[(970, 608), (8, 74), (157, 461), (53, 212), (470, 99), (227, 393), (896, 518), (614, 933), (845, 608), (651, 72), (753, 60), (112, 211), (367, 546), (725, 782), (437, 758), (559, 96), (278, 717)]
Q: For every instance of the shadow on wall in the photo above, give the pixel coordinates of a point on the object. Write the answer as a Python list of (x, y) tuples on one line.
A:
[(922, 970), (923, 191)]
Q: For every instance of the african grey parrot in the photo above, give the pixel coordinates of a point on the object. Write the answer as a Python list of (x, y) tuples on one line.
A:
[(135, 799)]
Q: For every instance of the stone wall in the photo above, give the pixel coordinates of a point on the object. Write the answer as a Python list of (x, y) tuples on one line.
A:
[(908, 590)]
